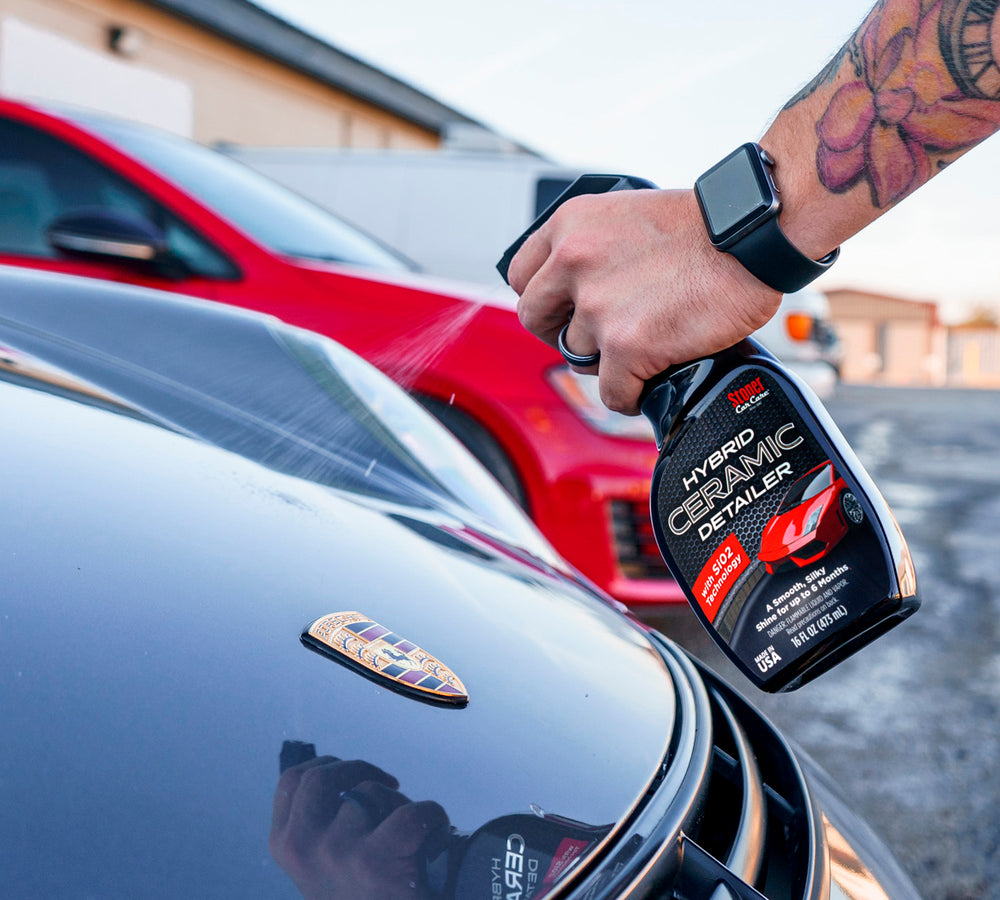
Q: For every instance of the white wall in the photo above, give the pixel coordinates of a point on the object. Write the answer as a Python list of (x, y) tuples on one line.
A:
[(42, 66)]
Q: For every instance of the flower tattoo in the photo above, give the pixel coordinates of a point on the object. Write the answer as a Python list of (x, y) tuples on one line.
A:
[(905, 111)]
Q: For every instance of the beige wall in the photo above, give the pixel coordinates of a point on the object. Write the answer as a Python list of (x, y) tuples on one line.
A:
[(907, 347), (888, 340), (974, 357), (860, 362), (238, 96)]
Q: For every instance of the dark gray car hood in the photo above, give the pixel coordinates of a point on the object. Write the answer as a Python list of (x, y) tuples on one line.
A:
[(160, 565)]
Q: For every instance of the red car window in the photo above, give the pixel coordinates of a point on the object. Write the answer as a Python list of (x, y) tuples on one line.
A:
[(269, 213), (807, 488), (42, 178)]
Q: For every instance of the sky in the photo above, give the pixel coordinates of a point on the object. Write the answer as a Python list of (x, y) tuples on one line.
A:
[(663, 89)]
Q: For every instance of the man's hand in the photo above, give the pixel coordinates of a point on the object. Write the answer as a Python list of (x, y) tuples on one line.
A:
[(643, 284), (362, 846)]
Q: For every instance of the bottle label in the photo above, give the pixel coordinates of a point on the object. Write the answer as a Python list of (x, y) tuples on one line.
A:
[(770, 532), (523, 857)]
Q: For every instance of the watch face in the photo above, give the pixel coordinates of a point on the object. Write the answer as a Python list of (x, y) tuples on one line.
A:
[(734, 193)]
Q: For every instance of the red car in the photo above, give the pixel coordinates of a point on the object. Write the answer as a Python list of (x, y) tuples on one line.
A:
[(112, 200), (813, 517)]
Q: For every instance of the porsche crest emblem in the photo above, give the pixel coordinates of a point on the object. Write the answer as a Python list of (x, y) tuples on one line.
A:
[(378, 653)]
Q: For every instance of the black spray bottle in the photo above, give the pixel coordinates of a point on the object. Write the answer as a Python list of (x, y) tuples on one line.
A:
[(784, 547)]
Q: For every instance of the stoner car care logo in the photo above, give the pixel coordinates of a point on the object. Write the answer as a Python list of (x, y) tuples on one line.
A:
[(747, 396)]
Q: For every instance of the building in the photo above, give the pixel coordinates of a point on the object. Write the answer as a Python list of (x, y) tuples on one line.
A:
[(215, 71), (894, 341), (888, 340), (974, 355)]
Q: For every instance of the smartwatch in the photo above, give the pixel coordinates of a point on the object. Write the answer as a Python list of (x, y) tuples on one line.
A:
[(740, 204)]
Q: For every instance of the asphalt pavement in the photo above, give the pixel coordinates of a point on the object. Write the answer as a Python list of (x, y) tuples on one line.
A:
[(910, 726)]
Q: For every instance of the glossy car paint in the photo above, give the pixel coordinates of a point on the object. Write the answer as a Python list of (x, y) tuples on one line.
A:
[(461, 347), (808, 530), (172, 526), (157, 588)]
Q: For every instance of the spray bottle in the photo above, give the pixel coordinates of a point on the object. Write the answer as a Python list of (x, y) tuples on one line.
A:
[(785, 549)]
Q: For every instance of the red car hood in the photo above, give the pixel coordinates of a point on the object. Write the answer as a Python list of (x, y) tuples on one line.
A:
[(500, 295), (461, 328)]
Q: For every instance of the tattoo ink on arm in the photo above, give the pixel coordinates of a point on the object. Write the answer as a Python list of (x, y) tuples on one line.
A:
[(969, 48), (825, 77), (923, 87)]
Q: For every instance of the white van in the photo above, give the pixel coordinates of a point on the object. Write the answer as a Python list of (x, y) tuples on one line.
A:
[(802, 336), (452, 212)]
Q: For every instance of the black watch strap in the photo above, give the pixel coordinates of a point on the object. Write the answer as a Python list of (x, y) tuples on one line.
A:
[(769, 256)]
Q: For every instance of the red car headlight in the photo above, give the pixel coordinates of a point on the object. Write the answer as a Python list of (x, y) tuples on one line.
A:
[(582, 396), (813, 522)]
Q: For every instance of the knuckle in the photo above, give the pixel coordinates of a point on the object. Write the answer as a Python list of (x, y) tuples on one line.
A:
[(279, 847), (526, 316), (574, 253), (514, 277), (288, 781), (611, 398)]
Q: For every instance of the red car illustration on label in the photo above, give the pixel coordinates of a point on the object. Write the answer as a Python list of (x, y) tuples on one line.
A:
[(813, 517)]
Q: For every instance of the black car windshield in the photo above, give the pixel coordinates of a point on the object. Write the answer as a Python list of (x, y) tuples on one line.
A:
[(808, 487), (268, 212), (382, 443)]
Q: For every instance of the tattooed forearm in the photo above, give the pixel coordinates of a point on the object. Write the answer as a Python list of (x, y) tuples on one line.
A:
[(826, 76), (967, 46), (923, 87)]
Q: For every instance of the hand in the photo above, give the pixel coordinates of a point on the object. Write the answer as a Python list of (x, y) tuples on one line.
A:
[(643, 284), (353, 849)]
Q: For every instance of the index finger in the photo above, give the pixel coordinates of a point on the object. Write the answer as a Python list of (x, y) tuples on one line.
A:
[(288, 785), (308, 796), (528, 260)]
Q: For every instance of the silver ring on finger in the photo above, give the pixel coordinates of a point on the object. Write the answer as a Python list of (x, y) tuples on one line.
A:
[(582, 362)]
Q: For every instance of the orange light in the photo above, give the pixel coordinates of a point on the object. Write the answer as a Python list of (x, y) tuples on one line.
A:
[(799, 326)]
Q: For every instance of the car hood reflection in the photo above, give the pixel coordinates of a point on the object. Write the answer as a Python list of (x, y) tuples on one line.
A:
[(284, 397)]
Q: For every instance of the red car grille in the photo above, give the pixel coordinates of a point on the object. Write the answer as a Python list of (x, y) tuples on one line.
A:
[(809, 551), (635, 546)]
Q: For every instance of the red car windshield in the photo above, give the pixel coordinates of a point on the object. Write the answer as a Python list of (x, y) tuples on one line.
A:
[(268, 212), (806, 488)]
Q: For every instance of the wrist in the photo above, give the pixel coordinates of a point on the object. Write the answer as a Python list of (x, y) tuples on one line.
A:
[(801, 217), (740, 203), (813, 218)]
